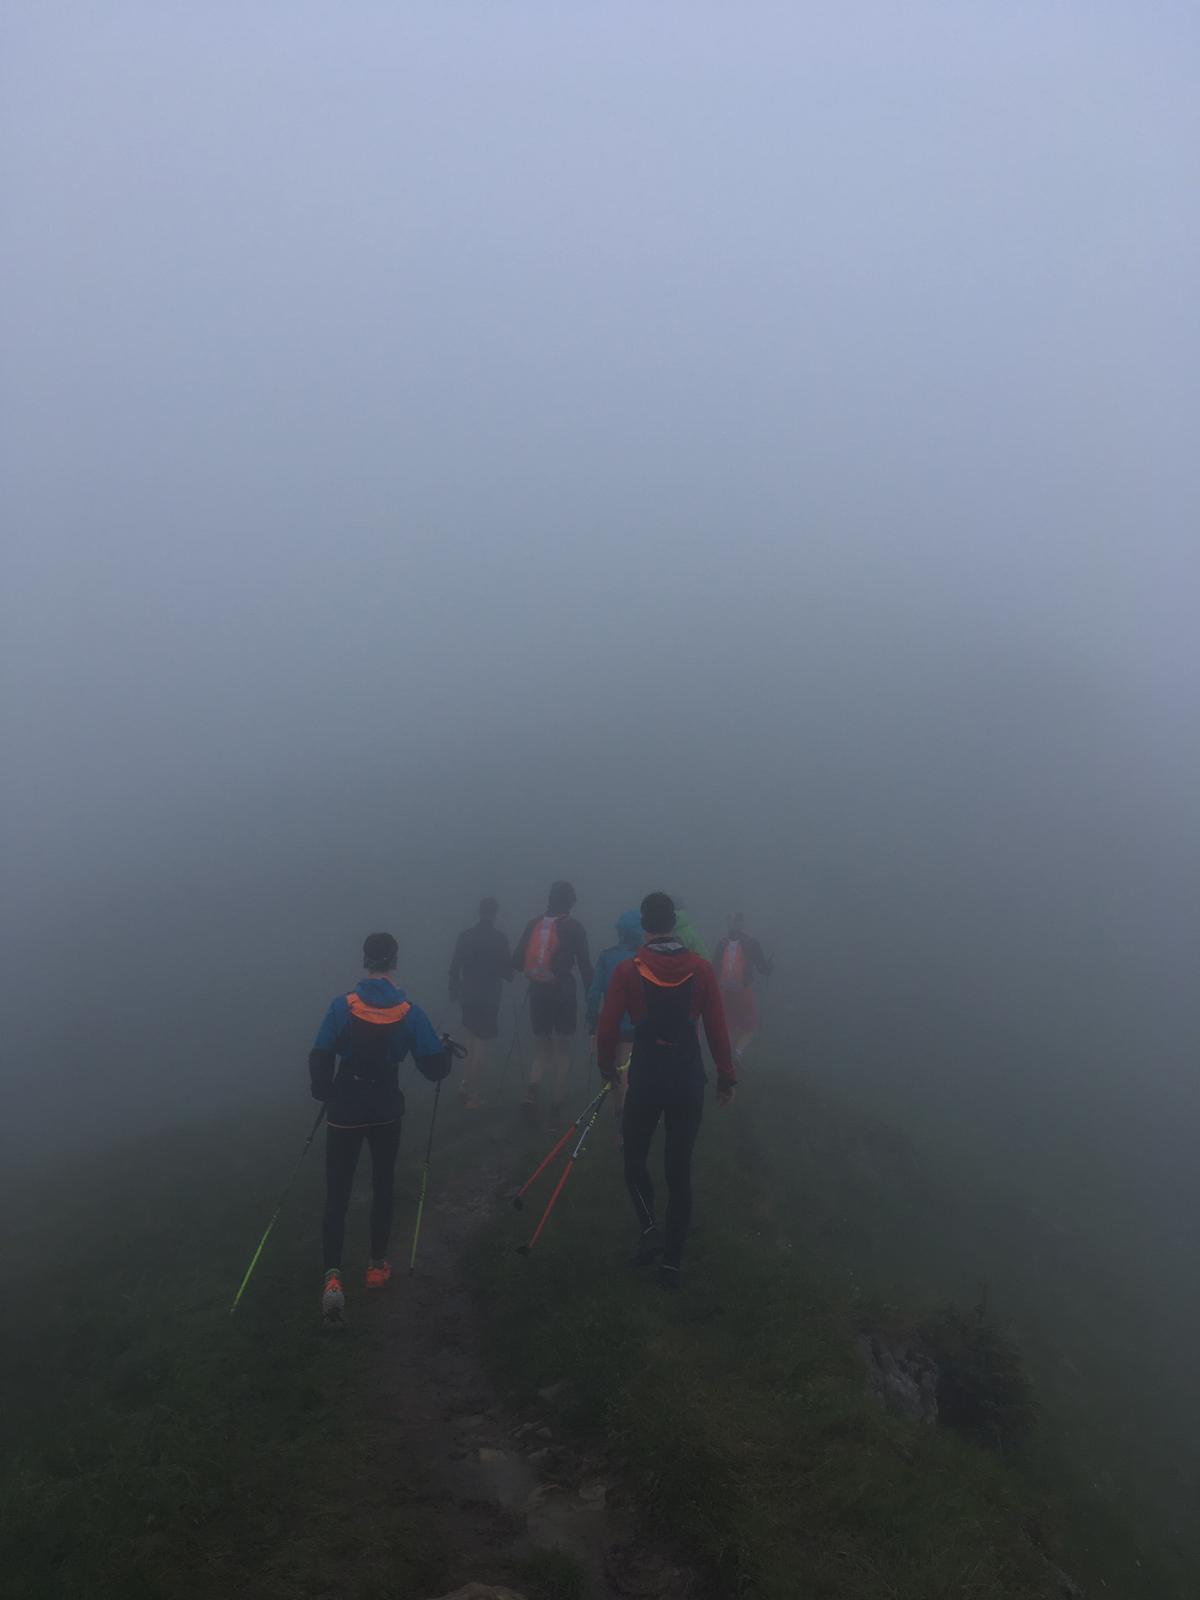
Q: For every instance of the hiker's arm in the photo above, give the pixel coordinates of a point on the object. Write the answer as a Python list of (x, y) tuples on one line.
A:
[(518, 955), (504, 961), (586, 971), (456, 964), (759, 958), (322, 1058), (432, 1061), (716, 1030), (321, 1066), (595, 995), (608, 1027)]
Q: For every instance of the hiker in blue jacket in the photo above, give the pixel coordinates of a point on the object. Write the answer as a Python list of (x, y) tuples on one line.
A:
[(354, 1067), (629, 935)]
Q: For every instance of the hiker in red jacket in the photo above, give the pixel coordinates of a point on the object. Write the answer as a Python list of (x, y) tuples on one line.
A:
[(548, 952), (736, 959), (666, 989)]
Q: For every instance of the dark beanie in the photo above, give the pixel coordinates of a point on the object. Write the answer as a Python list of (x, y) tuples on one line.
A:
[(658, 913), (562, 897), (379, 952)]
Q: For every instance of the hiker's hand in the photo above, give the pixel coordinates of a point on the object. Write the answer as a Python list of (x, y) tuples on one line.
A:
[(725, 1096)]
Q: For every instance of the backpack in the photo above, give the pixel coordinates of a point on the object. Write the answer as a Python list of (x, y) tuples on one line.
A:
[(371, 1036), (733, 965), (666, 1044), (541, 950)]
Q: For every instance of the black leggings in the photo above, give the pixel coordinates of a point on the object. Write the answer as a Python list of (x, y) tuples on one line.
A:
[(342, 1146), (682, 1125)]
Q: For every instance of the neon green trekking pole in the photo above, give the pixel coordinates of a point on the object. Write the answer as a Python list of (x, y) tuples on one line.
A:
[(452, 1049), (275, 1214)]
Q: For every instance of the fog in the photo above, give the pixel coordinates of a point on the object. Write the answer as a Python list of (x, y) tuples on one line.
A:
[(720, 449)]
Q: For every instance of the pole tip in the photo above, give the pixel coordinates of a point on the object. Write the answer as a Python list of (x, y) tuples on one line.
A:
[(517, 1203), (524, 1249)]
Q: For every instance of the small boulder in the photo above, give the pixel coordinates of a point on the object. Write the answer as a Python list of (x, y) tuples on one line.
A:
[(554, 1392), (481, 1591)]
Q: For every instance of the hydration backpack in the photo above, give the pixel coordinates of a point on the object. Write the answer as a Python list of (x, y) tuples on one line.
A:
[(371, 1036), (541, 950), (733, 965), (666, 1044)]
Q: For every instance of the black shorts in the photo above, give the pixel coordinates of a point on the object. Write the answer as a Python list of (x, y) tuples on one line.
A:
[(481, 1018), (553, 1008)]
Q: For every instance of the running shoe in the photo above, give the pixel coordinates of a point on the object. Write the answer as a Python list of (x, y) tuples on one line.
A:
[(668, 1278), (333, 1300), (378, 1274), (649, 1249)]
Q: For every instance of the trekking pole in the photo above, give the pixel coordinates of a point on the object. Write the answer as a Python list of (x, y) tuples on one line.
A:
[(524, 1249), (275, 1214), (519, 1197), (453, 1050)]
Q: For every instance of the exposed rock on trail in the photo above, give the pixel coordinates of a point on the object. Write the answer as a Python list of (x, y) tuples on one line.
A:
[(482, 1591), (903, 1377), (500, 1485)]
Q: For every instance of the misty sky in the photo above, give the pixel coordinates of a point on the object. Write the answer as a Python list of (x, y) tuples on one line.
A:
[(744, 449)]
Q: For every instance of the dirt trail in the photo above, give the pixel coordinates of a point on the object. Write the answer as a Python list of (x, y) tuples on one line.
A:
[(500, 1484)]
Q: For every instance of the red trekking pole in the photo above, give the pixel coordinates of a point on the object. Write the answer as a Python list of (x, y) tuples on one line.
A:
[(591, 1112), (519, 1197)]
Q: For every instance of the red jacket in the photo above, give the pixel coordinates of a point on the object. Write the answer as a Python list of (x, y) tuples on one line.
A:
[(668, 958)]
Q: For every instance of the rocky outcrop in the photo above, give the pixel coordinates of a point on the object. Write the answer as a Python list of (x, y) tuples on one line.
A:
[(902, 1376)]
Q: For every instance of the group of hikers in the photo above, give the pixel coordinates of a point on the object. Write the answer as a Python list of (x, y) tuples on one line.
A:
[(645, 999)]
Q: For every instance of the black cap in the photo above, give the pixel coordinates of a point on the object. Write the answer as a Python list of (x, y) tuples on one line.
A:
[(658, 913), (380, 951), (562, 897)]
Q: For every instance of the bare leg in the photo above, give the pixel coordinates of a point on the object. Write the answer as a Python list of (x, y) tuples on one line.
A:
[(479, 1058), (473, 1066)]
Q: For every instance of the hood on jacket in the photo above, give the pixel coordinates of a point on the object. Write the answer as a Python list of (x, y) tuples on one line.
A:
[(380, 992), (669, 961), (629, 929)]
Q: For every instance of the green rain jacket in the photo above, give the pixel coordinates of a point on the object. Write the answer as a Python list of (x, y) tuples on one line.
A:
[(688, 937)]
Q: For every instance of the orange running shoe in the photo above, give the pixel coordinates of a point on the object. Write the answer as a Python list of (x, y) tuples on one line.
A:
[(333, 1301), (378, 1274)]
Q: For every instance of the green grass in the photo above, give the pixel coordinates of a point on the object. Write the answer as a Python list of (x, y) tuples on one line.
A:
[(740, 1410), (155, 1449)]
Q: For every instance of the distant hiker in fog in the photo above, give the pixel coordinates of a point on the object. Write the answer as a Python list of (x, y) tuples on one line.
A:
[(354, 1066), (737, 958), (480, 964), (629, 941), (548, 952), (665, 990)]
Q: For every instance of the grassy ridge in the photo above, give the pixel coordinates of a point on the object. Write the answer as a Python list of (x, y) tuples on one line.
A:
[(741, 1410), (156, 1449)]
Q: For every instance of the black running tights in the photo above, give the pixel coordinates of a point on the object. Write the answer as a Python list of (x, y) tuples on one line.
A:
[(342, 1146), (682, 1123)]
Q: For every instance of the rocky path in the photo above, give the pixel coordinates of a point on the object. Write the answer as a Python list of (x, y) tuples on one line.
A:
[(500, 1484)]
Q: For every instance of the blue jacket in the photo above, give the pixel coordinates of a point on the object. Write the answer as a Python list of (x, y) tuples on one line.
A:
[(629, 931), (354, 1099)]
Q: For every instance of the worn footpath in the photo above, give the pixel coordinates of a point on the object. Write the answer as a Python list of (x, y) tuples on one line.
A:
[(502, 1486)]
